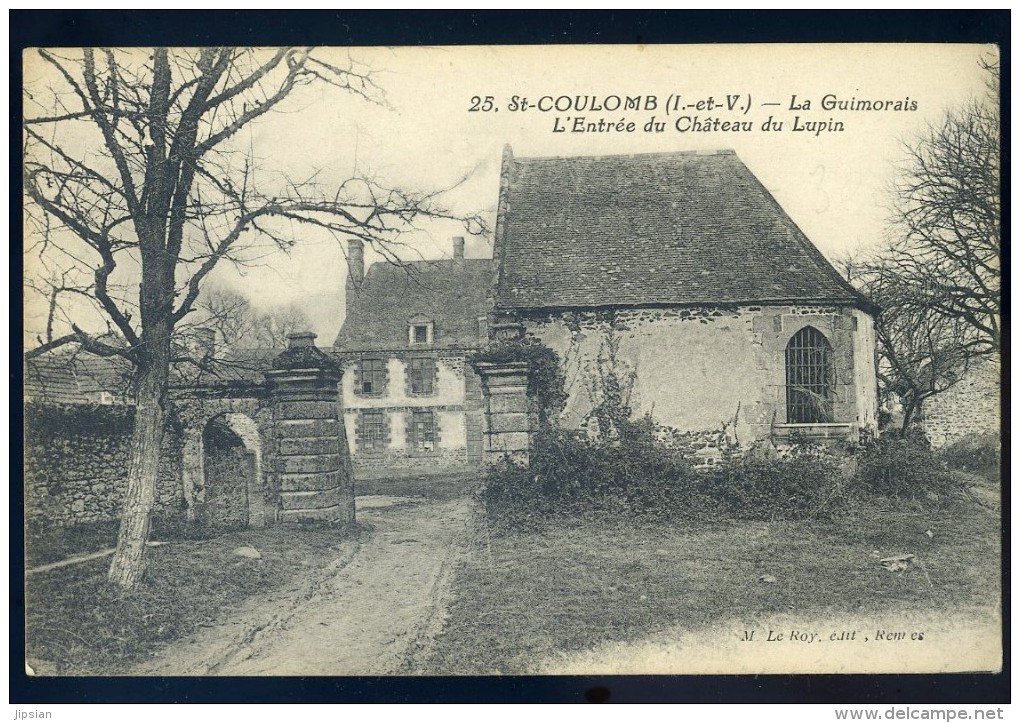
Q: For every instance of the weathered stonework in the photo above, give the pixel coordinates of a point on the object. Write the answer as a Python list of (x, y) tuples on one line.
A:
[(508, 424), (313, 473), (245, 410), (710, 367), (971, 406), (76, 462), (234, 454)]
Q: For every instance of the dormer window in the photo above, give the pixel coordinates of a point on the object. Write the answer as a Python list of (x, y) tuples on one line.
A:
[(419, 332)]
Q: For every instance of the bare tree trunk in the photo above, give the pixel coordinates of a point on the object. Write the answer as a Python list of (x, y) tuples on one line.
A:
[(128, 564), (908, 417)]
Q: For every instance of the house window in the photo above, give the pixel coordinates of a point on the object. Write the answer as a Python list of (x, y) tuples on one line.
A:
[(373, 376), (419, 333), (423, 432), (809, 378), (423, 372), (373, 431)]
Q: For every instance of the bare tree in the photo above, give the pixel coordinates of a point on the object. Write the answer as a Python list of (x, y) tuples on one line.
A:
[(276, 325), (134, 179), (921, 351), (947, 220), (227, 313), (937, 280), (237, 324)]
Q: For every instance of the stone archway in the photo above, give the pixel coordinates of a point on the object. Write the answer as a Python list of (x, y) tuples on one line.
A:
[(226, 481)]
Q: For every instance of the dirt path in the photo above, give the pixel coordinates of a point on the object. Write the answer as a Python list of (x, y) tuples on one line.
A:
[(372, 611)]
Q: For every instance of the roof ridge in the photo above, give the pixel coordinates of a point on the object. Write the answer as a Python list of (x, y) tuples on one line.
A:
[(384, 264), (650, 154), (450, 292), (422, 267)]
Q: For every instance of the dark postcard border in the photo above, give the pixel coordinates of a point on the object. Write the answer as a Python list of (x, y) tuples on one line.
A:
[(141, 28)]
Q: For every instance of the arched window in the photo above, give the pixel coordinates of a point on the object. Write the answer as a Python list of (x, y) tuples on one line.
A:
[(809, 378)]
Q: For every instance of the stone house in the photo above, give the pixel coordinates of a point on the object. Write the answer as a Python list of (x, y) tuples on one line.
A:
[(410, 401), (680, 272), (683, 272)]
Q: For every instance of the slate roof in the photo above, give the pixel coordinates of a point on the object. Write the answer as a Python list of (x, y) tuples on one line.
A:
[(75, 378), (451, 294), (81, 378), (663, 228)]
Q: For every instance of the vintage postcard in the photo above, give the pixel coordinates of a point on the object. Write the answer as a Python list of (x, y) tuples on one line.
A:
[(666, 359)]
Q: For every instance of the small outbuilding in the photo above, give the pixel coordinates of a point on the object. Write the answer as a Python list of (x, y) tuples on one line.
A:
[(682, 273)]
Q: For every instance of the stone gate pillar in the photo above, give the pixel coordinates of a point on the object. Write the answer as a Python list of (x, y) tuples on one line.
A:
[(313, 462), (508, 426)]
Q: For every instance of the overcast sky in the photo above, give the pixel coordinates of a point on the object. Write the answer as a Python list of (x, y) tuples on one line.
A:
[(834, 185)]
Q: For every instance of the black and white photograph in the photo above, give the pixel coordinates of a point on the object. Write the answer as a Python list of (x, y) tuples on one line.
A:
[(512, 360)]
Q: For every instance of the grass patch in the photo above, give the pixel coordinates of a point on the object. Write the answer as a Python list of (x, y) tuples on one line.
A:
[(77, 624), (49, 543), (520, 598), (45, 542)]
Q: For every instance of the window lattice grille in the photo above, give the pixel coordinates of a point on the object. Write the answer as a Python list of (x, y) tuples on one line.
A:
[(423, 432), (808, 378)]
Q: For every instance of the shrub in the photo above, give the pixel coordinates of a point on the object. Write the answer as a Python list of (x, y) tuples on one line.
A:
[(974, 452), (905, 468), (571, 475), (808, 483), (640, 475), (510, 499)]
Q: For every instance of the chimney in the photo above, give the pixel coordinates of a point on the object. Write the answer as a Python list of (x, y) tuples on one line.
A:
[(356, 261), (458, 248), (355, 272)]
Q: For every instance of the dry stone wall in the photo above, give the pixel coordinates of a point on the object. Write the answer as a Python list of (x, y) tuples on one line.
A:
[(969, 407), (76, 463)]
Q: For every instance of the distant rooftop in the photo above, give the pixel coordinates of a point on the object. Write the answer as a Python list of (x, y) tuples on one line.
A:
[(65, 377), (77, 378), (451, 294)]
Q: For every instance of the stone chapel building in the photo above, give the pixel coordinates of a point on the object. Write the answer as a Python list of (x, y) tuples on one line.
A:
[(712, 298)]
